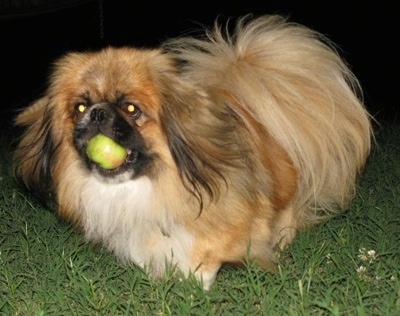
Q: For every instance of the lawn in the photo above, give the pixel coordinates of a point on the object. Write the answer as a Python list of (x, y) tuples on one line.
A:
[(347, 266)]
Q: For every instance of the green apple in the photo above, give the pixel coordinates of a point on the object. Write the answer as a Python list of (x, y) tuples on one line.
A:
[(105, 152)]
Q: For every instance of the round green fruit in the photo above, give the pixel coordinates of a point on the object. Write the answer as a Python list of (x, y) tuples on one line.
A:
[(105, 152)]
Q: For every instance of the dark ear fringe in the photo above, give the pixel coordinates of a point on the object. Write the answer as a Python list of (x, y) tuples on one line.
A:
[(198, 175), (198, 160), (33, 161)]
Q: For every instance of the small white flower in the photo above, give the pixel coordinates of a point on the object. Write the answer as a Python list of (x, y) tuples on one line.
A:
[(371, 255), (365, 255), (362, 254), (361, 269)]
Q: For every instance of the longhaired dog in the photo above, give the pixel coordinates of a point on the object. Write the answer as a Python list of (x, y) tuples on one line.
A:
[(233, 142)]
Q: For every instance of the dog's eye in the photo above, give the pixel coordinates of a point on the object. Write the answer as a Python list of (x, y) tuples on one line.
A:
[(80, 107), (132, 110)]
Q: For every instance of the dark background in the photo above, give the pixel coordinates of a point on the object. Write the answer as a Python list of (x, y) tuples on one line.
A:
[(34, 33)]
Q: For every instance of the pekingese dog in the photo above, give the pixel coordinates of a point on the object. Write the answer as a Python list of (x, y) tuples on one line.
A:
[(233, 142)]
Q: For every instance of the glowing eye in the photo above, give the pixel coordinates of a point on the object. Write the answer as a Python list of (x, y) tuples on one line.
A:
[(81, 108), (130, 108)]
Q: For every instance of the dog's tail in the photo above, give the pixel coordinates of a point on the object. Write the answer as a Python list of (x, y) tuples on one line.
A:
[(292, 81)]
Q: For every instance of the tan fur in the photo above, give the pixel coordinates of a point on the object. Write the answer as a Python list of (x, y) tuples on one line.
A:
[(255, 134)]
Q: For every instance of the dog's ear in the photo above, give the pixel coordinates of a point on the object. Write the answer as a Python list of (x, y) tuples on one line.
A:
[(196, 171), (34, 154), (193, 134)]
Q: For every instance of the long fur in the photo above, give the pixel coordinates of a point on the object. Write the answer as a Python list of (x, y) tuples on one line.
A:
[(253, 135), (294, 83)]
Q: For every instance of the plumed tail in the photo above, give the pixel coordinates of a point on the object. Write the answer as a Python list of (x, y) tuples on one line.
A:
[(294, 83)]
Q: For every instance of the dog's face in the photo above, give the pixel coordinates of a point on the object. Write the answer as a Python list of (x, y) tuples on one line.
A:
[(114, 103), (117, 120), (113, 93)]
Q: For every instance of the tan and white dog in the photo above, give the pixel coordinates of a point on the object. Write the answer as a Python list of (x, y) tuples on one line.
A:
[(234, 142)]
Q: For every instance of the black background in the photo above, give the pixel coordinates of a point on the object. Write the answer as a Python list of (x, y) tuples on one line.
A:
[(366, 33)]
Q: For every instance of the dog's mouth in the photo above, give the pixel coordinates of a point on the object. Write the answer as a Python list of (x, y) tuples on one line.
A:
[(128, 164), (112, 148), (132, 156), (132, 166)]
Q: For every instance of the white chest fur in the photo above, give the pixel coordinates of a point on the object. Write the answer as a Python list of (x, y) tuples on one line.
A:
[(127, 219)]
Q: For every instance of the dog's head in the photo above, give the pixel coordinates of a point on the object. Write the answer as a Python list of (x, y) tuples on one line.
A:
[(136, 98)]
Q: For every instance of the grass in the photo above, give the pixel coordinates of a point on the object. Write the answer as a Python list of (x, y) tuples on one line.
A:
[(347, 266)]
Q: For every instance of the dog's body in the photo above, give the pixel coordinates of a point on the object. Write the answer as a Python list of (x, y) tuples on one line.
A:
[(234, 144)]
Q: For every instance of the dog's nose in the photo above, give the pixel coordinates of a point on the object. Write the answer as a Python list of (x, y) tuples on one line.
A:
[(98, 115)]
